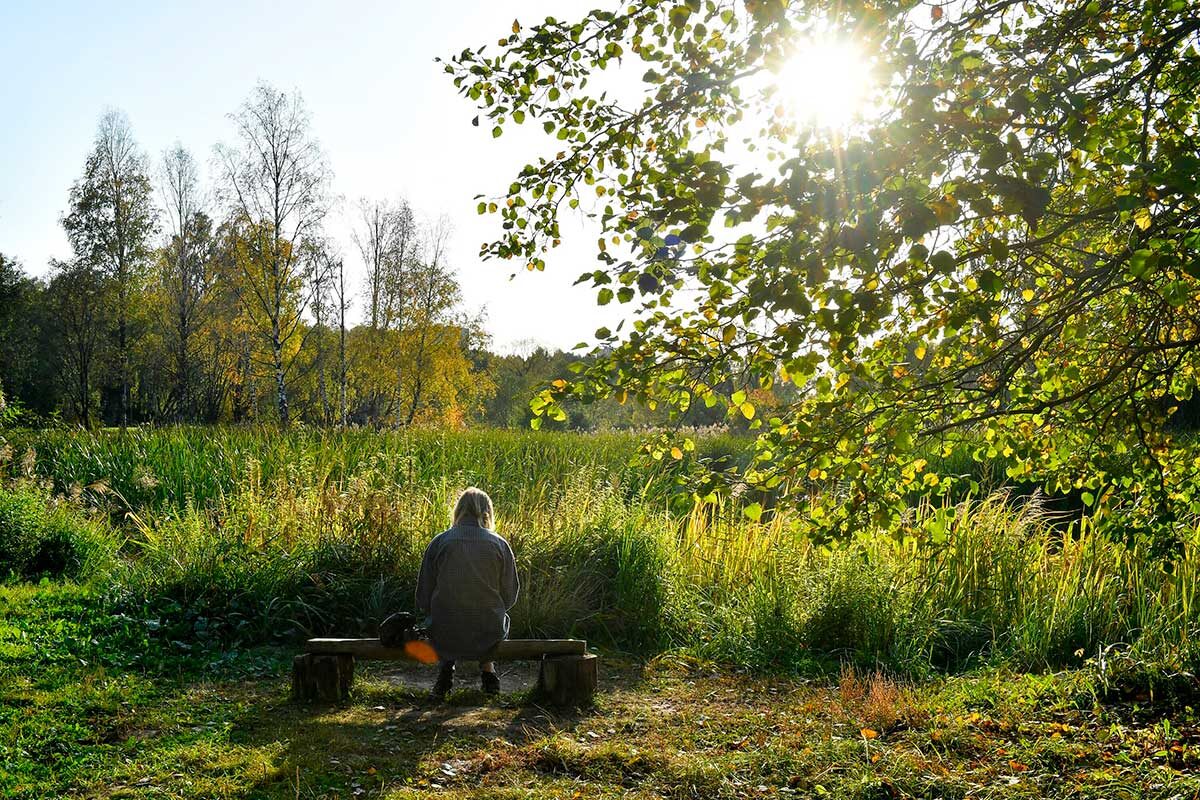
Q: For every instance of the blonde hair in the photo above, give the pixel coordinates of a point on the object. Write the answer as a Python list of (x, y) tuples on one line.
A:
[(473, 506)]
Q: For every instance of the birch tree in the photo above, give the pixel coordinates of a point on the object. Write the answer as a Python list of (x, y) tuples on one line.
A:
[(386, 238), (276, 183), (187, 273), (342, 300), (435, 294)]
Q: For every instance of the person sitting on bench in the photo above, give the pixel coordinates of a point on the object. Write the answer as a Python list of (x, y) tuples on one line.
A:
[(467, 584)]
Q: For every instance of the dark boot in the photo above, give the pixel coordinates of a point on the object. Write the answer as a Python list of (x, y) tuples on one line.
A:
[(445, 680), (489, 682)]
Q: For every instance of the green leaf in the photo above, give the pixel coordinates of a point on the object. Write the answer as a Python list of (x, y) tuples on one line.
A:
[(1142, 263), (1177, 293), (942, 261)]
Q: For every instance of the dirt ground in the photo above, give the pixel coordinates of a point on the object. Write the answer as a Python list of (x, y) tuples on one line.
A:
[(515, 676)]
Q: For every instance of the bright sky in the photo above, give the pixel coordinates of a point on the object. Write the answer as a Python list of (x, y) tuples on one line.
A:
[(387, 116)]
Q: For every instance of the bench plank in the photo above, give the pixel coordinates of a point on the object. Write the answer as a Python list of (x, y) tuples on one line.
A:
[(508, 650)]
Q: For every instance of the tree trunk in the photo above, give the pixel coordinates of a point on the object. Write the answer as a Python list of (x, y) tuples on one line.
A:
[(416, 398), (84, 394), (342, 368), (123, 410), (280, 385)]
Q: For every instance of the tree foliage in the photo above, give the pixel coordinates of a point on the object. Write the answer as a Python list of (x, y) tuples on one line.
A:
[(111, 222), (275, 184), (999, 262), (242, 310)]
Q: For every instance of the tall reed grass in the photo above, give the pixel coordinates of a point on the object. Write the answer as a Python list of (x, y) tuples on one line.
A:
[(168, 468), (253, 534)]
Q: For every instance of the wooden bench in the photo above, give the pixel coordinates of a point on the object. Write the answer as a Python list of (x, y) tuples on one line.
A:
[(567, 674)]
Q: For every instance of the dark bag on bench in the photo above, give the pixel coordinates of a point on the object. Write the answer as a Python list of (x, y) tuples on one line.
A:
[(400, 628)]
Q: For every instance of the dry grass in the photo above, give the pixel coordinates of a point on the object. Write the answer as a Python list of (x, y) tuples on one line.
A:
[(876, 700)]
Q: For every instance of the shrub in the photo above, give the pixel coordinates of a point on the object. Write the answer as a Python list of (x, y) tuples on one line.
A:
[(41, 537)]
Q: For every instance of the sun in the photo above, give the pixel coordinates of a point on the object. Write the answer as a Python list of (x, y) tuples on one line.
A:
[(826, 82)]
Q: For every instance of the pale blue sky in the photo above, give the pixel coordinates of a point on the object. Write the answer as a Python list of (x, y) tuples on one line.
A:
[(387, 116)]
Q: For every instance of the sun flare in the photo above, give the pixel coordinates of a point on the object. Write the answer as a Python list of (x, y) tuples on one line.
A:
[(826, 82)]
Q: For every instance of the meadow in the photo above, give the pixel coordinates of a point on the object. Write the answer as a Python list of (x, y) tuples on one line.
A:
[(158, 581), (254, 535)]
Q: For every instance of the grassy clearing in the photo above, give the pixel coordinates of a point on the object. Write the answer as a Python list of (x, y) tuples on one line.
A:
[(915, 666), (91, 708), (224, 537)]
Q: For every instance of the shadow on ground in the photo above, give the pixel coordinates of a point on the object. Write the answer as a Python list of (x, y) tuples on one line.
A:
[(392, 733)]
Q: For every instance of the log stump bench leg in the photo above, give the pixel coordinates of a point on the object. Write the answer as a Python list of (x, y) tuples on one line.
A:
[(324, 677), (568, 680)]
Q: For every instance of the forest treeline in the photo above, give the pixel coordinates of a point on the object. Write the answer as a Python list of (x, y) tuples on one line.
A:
[(230, 304)]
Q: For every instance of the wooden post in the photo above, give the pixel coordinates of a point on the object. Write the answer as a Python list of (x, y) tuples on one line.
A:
[(327, 678), (568, 680)]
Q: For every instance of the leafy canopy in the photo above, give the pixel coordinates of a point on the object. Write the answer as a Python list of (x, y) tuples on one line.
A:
[(1000, 262)]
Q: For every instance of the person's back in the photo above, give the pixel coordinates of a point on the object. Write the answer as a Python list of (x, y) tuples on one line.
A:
[(467, 583)]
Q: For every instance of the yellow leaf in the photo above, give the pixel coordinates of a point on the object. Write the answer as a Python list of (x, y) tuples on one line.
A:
[(748, 410), (1027, 294), (1142, 218), (516, 27), (868, 733), (920, 352)]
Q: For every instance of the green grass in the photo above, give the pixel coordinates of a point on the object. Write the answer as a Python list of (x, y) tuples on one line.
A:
[(169, 468), (986, 652), (243, 535), (91, 705)]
